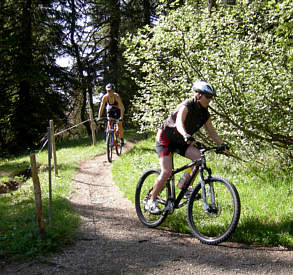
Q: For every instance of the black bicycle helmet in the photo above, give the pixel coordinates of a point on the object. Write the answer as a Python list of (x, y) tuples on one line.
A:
[(110, 86), (203, 87)]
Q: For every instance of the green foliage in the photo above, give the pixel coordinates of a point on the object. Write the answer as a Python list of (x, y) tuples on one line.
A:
[(243, 51), (34, 88), (266, 194), (30, 80)]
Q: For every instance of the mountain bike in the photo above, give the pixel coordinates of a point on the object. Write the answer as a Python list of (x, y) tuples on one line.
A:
[(213, 208), (112, 137)]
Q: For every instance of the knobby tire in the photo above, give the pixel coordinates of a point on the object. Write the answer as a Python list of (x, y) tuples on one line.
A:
[(143, 193), (109, 142), (118, 145), (214, 228)]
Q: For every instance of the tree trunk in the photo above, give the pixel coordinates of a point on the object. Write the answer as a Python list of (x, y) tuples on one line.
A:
[(147, 12), (23, 112), (211, 4), (114, 41), (82, 83)]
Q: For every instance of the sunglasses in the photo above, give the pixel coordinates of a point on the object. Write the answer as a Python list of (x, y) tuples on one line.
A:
[(208, 96)]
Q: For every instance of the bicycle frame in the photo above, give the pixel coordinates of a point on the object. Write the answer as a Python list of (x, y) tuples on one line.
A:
[(199, 165), (112, 136), (214, 200), (112, 125), (112, 128)]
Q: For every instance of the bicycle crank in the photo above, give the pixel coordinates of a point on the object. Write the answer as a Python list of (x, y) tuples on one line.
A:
[(169, 208)]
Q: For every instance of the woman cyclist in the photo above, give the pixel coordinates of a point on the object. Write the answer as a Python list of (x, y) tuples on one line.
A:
[(114, 108), (175, 136)]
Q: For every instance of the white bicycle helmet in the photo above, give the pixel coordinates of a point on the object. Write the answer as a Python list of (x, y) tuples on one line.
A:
[(110, 86), (203, 87)]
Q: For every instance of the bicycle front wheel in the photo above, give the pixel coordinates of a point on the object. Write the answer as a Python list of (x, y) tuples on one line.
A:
[(143, 193), (118, 146), (216, 224), (109, 142)]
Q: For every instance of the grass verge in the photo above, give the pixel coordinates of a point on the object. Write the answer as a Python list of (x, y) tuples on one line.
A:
[(19, 237)]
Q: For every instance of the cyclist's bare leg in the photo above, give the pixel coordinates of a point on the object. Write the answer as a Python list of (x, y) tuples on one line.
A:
[(120, 129), (109, 122), (166, 170), (192, 153)]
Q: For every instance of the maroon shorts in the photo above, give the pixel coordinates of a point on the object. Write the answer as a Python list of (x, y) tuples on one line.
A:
[(165, 146)]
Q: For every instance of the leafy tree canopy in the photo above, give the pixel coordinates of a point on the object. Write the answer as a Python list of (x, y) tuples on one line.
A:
[(244, 51)]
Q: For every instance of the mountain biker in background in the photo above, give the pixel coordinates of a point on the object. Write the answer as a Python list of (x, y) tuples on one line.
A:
[(175, 136), (114, 108)]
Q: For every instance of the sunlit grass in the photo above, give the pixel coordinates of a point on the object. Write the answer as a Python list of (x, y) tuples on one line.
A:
[(19, 236)]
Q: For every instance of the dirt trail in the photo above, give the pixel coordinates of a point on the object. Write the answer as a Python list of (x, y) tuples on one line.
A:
[(112, 240)]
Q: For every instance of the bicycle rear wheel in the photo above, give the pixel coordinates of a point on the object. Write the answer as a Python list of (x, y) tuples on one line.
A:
[(143, 193), (118, 146), (109, 142), (217, 224)]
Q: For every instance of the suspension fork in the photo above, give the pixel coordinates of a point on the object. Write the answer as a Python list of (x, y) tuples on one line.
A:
[(203, 182)]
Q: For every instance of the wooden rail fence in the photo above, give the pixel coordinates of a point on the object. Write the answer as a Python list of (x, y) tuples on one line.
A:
[(50, 141)]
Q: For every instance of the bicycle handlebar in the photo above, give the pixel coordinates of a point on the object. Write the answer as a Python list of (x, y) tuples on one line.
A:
[(105, 119), (206, 149), (216, 149)]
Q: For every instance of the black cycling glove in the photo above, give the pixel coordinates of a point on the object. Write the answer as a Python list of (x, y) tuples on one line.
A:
[(224, 147), (188, 138)]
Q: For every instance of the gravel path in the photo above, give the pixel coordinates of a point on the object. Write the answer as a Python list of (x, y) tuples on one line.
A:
[(113, 241)]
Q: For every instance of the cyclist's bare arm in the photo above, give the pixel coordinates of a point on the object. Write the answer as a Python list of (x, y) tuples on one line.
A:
[(208, 126), (181, 116), (120, 105), (102, 106)]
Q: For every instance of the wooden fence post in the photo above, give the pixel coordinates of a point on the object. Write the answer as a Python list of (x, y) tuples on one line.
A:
[(54, 148), (38, 196), (50, 178), (93, 126)]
